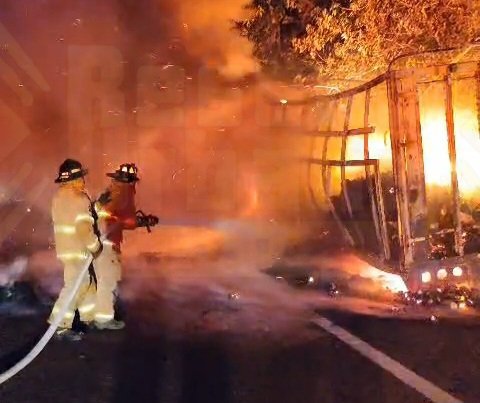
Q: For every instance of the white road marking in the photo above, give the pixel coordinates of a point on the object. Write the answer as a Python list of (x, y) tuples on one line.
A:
[(408, 377)]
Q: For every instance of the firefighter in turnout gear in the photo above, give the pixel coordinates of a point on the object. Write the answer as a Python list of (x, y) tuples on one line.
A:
[(116, 212), (75, 240)]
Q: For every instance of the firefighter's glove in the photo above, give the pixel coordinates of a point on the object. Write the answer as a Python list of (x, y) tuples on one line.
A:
[(98, 252), (105, 198)]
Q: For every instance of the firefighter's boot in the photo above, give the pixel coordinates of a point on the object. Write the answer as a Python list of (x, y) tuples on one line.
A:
[(68, 334), (112, 324)]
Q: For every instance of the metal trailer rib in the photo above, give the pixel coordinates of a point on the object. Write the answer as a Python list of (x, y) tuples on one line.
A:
[(338, 133), (399, 174), (381, 208), (452, 153), (343, 156), (348, 163), (477, 76), (368, 177), (326, 183), (311, 191)]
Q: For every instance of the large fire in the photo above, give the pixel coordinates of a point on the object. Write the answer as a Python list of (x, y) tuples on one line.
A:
[(435, 146), (435, 150), (378, 147)]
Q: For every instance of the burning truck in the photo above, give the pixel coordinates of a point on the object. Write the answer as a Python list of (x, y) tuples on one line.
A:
[(396, 161)]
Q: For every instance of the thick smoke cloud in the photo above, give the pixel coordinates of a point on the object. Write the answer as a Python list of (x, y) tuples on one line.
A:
[(202, 29), (194, 36), (221, 167), (221, 162), (208, 33)]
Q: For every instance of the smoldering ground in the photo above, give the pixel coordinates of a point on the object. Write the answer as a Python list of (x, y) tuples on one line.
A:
[(186, 281)]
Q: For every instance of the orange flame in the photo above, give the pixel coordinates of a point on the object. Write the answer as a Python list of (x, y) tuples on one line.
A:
[(389, 281), (435, 150)]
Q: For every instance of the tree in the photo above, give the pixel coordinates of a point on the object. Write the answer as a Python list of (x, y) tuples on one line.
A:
[(357, 39)]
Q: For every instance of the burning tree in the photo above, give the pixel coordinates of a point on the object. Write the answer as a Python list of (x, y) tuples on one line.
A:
[(354, 39)]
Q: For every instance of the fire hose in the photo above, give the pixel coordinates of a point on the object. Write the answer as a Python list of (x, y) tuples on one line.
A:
[(38, 348)]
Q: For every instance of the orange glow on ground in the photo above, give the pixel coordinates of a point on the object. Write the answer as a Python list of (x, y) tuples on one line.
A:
[(389, 281)]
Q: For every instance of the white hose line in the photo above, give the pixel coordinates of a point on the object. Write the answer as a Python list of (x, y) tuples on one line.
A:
[(50, 331)]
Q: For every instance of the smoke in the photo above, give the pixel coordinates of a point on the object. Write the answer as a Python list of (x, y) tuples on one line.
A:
[(12, 272), (202, 32), (41, 133), (229, 183), (208, 32), (222, 129), (188, 280), (225, 164), (216, 167), (234, 296)]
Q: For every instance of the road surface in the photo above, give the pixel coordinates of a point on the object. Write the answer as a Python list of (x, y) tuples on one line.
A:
[(210, 357)]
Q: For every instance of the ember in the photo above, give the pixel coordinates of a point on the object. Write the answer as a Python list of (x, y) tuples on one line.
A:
[(234, 295), (333, 290), (453, 296)]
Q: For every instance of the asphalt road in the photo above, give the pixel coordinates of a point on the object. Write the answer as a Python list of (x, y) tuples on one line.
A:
[(145, 364)]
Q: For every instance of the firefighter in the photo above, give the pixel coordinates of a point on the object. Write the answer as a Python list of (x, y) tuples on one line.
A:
[(116, 212), (75, 239)]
